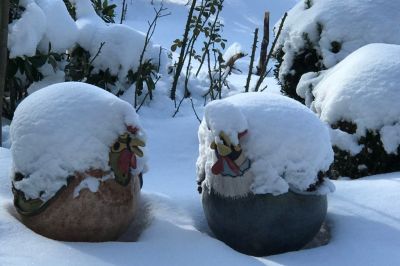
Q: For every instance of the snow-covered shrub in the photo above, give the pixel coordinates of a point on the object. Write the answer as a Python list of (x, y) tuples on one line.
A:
[(72, 40), (359, 98), (36, 47), (108, 55), (318, 34), (285, 144)]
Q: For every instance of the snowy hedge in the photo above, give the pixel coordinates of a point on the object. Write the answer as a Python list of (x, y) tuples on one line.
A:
[(72, 40), (359, 98), (318, 34)]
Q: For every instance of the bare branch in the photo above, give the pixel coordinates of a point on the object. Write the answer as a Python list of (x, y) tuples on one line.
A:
[(253, 52)]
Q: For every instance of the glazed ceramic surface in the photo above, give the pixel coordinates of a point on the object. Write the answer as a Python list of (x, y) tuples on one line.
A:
[(261, 225)]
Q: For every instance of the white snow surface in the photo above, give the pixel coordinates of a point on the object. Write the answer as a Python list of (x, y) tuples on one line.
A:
[(63, 129), (364, 217), (364, 89), (286, 143), (43, 21), (351, 23), (5, 134)]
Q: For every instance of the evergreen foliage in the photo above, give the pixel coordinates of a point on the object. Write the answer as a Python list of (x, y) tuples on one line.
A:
[(373, 159), (308, 60), (77, 64)]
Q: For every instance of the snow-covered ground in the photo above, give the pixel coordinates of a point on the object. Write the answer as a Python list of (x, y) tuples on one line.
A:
[(364, 217)]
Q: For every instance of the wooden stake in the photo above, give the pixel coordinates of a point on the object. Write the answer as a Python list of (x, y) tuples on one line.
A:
[(4, 8), (264, 46), (264, 74)]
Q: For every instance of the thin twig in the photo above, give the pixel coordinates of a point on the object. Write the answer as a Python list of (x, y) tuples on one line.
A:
[(123, 12), (253, 53), (159, 59), (179, 105), (141, 104), (194, 110), (98, 53), (149, 34), (147, 94)]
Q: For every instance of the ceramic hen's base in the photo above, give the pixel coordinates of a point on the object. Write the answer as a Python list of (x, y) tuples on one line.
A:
[(262, 225), (91, 216)]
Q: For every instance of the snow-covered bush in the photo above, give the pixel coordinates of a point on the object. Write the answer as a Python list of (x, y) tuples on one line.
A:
[(40, 31), (318, 34), (359, 98), (106, 53), (262, 143), (75, 40)]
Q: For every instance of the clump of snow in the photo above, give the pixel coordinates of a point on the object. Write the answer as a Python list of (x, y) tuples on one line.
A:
[(216, 114), (61, 30), (22, 38), (390, 136), (122, 45), (286, 143), (233, 49), (345, 141), (90, 182), (63, 129), (43, 21), (349, 24), (363, 89)]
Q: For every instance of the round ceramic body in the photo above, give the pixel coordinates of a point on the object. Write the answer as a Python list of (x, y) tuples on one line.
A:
[(91, 216), (264, 224)]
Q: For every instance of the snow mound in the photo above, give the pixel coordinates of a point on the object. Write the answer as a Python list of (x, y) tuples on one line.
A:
[(286, 143), (63, 129), (363, 89), (336, 28), (52, 23), (122, 45)]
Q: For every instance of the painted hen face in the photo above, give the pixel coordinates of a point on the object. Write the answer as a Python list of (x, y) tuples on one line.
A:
[(123, 155), (230, 158)]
